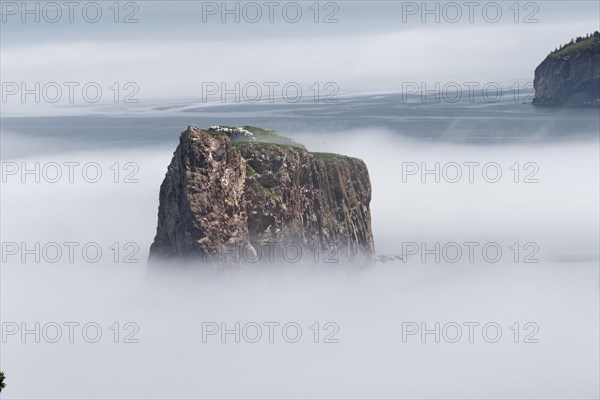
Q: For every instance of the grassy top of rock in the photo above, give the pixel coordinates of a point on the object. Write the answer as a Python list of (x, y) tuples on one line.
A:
[(580, 45), (247, 135), (328, 156), (268, 137)]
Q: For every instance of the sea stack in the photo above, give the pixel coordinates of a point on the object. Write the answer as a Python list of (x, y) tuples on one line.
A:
[(243, 196)]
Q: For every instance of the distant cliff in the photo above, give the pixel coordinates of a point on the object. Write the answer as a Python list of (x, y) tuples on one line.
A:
[(570, 75), (243, 196)]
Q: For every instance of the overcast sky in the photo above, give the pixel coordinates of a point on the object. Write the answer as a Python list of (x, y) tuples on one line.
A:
[(176, 48)]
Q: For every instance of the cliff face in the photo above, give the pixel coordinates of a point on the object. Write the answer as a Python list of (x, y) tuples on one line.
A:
[(243, 202), (570, 76)]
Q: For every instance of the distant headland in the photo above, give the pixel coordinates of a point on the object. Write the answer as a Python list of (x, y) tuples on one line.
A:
[(570, 75)]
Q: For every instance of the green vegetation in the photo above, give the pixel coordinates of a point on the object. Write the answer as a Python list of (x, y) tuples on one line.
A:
[(260, 135), (250, 171), (327, 156), (2, 384), (333, 156), (266, 145), (270, 136), (269, 192), (216, 134), (577, 44)]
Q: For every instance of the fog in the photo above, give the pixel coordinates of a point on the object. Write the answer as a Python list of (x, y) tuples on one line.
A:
[(356, 62), (368, 311)]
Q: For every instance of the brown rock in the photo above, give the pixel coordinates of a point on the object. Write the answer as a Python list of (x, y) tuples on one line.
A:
[(253, 202)]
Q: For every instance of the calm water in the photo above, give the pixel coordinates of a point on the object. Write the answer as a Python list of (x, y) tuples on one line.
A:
[(480, 122)]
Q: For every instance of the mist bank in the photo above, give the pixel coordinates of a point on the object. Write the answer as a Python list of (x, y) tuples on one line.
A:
[(368, 326)]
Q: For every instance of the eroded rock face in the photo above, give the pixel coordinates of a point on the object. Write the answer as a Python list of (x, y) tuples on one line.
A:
[(569, 79), (250, 203)]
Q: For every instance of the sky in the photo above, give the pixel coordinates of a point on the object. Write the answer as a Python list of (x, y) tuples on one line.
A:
[(159, 51)]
